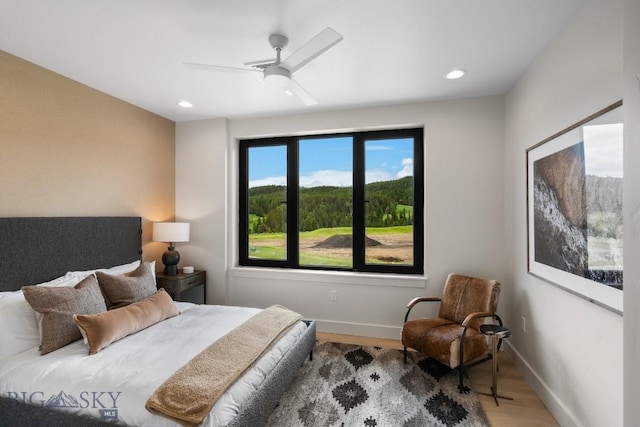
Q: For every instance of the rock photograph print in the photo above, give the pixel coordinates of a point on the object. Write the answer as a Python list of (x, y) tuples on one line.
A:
[(577, 206), (560, 211)]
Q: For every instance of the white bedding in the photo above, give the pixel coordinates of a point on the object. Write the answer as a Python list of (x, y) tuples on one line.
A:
[(116, 382)]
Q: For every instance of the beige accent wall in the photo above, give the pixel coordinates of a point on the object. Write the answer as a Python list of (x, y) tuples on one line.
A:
[(69, 150)]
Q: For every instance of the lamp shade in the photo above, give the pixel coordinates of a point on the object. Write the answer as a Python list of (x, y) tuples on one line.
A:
[(171, 232)]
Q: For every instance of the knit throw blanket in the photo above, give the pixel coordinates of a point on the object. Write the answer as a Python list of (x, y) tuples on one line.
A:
[(189, 394)]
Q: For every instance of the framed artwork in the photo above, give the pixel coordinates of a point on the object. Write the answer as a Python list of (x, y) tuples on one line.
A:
[(574, 208)]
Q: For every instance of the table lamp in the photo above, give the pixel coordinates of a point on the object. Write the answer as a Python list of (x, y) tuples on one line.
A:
[(171, 232)]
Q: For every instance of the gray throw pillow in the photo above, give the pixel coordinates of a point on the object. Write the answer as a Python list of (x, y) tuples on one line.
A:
[(124, 289), (56, 307)]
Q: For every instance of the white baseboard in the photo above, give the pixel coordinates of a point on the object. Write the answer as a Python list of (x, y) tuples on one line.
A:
[(358, 329), (559, 411)]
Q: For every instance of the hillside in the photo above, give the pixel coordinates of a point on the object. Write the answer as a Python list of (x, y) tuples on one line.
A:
[(390, 204)]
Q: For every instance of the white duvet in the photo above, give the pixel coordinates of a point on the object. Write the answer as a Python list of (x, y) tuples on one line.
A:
[(115, 383)]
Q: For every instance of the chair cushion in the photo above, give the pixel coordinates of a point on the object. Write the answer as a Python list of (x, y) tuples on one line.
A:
[(463, 295), (439, 339)]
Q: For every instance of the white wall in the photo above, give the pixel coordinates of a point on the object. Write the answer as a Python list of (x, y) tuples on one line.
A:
[(632, 212), (463, 211), (572, 349), (475, 164), (201, 179)]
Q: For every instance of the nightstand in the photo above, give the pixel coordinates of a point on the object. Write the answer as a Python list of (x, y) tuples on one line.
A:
[(181, 282)]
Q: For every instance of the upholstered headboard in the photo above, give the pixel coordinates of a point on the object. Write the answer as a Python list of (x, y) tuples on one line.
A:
[(35, 250)]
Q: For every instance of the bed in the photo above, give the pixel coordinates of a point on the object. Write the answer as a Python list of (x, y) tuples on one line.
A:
[(117, 380)]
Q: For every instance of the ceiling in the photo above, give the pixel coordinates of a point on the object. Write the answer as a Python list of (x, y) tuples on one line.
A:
[(392, 52)]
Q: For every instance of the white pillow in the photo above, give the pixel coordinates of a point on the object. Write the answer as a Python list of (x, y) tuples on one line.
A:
[(118, 269), (19, 329)]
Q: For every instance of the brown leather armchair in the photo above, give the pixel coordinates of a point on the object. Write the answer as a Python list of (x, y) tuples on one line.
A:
[(453, 338)]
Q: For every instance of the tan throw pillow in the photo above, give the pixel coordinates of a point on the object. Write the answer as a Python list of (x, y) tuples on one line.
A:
[(102, 329), (57, 305), (124, 289)]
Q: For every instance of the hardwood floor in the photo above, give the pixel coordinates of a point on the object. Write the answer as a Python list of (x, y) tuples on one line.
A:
[(525, 410)]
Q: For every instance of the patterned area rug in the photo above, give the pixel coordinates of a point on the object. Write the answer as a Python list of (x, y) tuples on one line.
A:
[(352, 386)]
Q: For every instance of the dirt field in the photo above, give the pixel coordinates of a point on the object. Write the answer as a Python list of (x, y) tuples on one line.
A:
[(394, 248)]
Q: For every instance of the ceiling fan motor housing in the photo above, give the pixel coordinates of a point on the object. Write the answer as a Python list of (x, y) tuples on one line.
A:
[(278, 41)]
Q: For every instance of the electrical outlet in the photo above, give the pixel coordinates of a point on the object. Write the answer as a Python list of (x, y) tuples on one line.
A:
[(333, 296), (523, 323)]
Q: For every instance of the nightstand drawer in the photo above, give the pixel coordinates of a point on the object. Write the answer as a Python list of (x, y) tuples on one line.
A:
[(181, 282)]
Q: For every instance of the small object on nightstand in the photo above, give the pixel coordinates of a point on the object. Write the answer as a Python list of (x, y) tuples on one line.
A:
[(176, 284), (495, 333), (187, 269)]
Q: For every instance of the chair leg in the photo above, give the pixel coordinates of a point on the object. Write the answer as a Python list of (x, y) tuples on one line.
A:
[(405, 354), (461, 387)]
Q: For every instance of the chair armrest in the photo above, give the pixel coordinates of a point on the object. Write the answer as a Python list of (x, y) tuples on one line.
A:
[(465, 325), (421, 299), (415, 301), (476, 315)]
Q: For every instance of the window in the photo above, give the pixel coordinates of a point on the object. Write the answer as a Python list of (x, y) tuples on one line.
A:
[(350, 201)]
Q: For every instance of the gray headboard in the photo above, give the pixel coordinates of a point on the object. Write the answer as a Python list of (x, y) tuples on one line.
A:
[(38, 249)]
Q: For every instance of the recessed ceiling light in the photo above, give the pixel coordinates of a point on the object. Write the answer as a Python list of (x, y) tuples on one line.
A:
[(185, 104), (456, 74)]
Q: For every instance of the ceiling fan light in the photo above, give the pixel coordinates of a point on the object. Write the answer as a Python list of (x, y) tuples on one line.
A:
[(455, 74), (277, 76)]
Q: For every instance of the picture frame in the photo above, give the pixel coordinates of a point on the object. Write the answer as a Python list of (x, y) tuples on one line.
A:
[(574, 208)]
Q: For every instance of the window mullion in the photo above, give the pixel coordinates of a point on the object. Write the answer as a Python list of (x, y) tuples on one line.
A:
[(418, 200), (358, 221), (243, 185), (293, 246)]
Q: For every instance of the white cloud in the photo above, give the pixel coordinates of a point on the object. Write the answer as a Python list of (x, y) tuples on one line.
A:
[(407, 168), (336, 178), (370, 147), (327, 177), (377, 175), (270, 180), (319, 178)]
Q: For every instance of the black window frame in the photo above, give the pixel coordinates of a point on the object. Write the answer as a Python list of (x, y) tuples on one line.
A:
[(358, 186)]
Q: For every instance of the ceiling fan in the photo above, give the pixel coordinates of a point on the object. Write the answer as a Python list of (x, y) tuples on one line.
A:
[(279, 72)]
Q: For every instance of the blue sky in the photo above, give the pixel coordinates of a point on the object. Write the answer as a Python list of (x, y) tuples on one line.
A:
[(328, 161)]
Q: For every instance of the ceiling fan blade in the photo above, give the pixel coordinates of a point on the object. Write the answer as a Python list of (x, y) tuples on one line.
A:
[(211, 67), (315, 47), (295, 89), (260, 64)]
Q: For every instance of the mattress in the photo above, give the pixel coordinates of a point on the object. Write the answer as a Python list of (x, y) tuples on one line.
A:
[(115, 383)]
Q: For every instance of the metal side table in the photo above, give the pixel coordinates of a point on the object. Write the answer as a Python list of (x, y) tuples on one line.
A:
[(495, 333)]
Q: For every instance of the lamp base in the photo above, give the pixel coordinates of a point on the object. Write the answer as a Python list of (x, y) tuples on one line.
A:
[(170, 270), (170, 259)]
